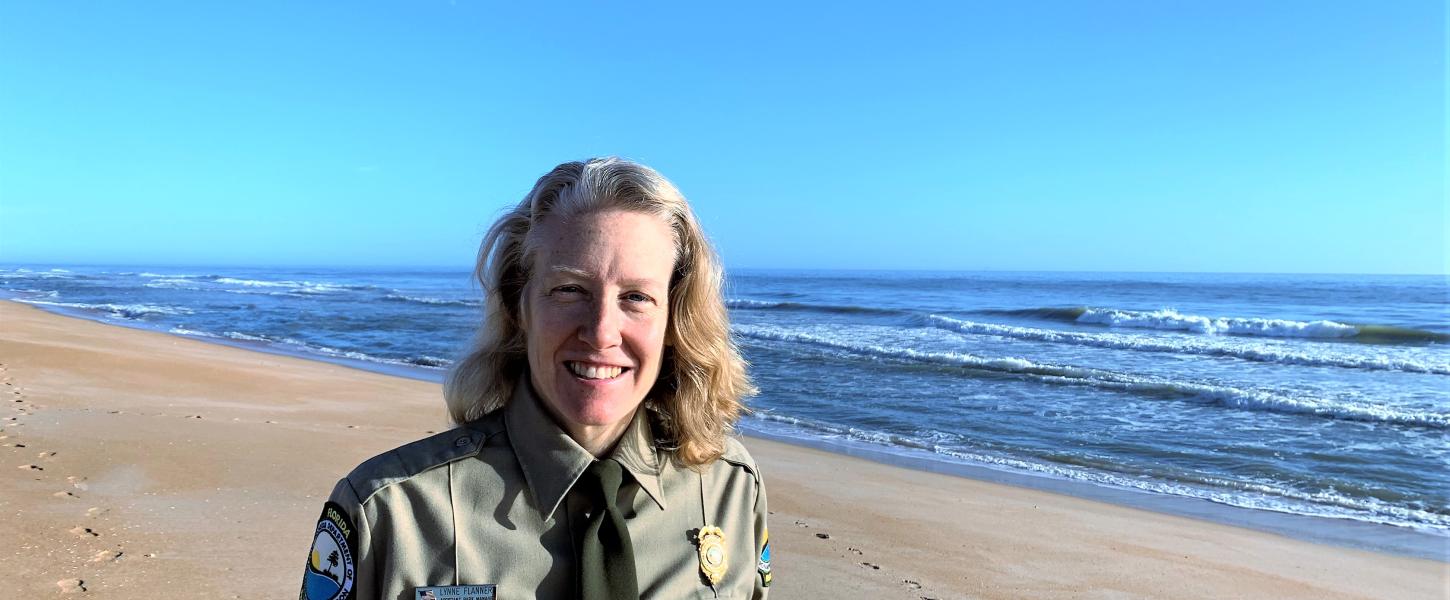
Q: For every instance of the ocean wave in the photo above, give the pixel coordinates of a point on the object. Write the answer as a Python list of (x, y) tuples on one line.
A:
[(1185, 345), (424, 361), (34, 294), (129, 312), (1224, 395), (747, 304), (434, 301), (190, 332), (1169, 319), (24, 274), (172, 283), (255, 282), (1173, 320), (300, 287), (1274, 496)]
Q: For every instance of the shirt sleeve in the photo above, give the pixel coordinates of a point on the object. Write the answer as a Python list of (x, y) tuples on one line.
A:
[(762, 540), (339, 562)]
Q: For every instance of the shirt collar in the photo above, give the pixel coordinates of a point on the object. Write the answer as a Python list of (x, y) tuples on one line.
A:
[(552, 461)]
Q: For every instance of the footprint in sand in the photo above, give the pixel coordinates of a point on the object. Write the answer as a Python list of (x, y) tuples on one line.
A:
[(46, 455), (84, 531), (67, 495), (71, 586), (107, 556), (32, 467), (96, 511), (78, 482)]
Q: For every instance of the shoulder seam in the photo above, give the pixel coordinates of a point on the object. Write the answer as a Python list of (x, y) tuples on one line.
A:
[(387, 482)]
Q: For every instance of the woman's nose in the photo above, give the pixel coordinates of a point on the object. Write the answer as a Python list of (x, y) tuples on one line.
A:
[(601, 328)]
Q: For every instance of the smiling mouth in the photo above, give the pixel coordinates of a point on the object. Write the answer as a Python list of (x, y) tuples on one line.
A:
[(588, 371)]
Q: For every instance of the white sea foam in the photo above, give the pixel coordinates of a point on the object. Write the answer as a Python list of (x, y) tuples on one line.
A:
[(190, 332), (746, 303), (33, 294), (1245, 494), (1260, 352), (130, 312), (27, 274), (1235, 397), (1173, 320), (256, 282), (237, 335), (434, 301), (172, 283), (295, 345)]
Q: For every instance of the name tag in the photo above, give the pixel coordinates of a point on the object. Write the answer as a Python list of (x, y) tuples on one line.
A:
[(455, 592)]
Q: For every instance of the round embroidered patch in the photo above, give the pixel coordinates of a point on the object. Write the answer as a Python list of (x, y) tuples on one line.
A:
[(330, 572), (763, 566)]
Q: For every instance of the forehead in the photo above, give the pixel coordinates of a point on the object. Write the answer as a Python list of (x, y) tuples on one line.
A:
[(605, 244)]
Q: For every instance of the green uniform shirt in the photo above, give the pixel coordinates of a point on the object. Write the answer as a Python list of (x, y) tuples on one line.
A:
[(491, 503)]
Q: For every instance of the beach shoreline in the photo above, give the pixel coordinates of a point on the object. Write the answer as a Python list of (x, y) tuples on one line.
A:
[(1345, 532), (138, 425)]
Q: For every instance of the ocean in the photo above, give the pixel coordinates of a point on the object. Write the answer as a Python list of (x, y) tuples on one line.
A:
[(1318, 395)]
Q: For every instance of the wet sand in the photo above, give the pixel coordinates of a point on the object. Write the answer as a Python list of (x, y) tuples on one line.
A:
[(140, 464)]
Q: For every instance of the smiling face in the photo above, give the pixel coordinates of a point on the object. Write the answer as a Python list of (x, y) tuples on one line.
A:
[(595, 312)]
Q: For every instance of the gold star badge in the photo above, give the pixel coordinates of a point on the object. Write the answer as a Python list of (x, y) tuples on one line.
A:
[(714, 560)]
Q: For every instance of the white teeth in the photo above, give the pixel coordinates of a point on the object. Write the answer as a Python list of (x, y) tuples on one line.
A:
[(593, 372)]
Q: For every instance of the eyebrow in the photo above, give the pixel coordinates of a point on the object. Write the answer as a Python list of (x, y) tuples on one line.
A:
[(583, 274)]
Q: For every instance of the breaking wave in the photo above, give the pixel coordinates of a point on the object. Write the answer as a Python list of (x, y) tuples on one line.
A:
[(746, 304), (295, 345), (1171, 320), (1264, 495), (1187, 345), (433, 301), (129, 312), (1229, 396)]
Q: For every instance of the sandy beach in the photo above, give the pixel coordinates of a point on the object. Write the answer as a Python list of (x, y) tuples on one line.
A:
[(139, 464)]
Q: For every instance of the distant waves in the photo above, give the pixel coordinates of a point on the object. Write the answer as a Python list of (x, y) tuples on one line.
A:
[(1228, 396), (1163, 320)]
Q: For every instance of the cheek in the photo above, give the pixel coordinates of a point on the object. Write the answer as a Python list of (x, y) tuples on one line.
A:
[(651, 340)]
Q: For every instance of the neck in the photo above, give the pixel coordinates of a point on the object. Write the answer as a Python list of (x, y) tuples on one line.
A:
[(599, 440)]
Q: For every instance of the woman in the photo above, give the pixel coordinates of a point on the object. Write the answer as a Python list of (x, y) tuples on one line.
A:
[(592, 457)]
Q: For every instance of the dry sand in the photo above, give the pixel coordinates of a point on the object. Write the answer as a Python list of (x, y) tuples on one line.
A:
[(139, 465)]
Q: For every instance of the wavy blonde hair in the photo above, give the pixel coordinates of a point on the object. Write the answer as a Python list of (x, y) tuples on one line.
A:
[(702, 377)]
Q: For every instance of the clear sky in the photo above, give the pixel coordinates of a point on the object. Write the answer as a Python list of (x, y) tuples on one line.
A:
[(1217, 135)]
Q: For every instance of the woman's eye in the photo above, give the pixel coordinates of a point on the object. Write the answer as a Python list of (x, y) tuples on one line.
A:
[(567, 289), (638, 297)]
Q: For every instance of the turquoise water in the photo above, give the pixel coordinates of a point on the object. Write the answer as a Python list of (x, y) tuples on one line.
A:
[(1312, 395)]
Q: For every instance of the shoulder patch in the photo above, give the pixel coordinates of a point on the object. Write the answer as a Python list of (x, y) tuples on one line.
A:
[(330, 572), (763, 565)]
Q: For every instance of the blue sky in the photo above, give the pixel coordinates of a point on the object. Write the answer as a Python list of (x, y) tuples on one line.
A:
[(1279, 136)]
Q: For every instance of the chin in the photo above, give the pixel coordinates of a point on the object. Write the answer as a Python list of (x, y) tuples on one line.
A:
[(589, 404)]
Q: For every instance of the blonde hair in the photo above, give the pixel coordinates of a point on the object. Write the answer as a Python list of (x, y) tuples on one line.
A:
[(702, 378)]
